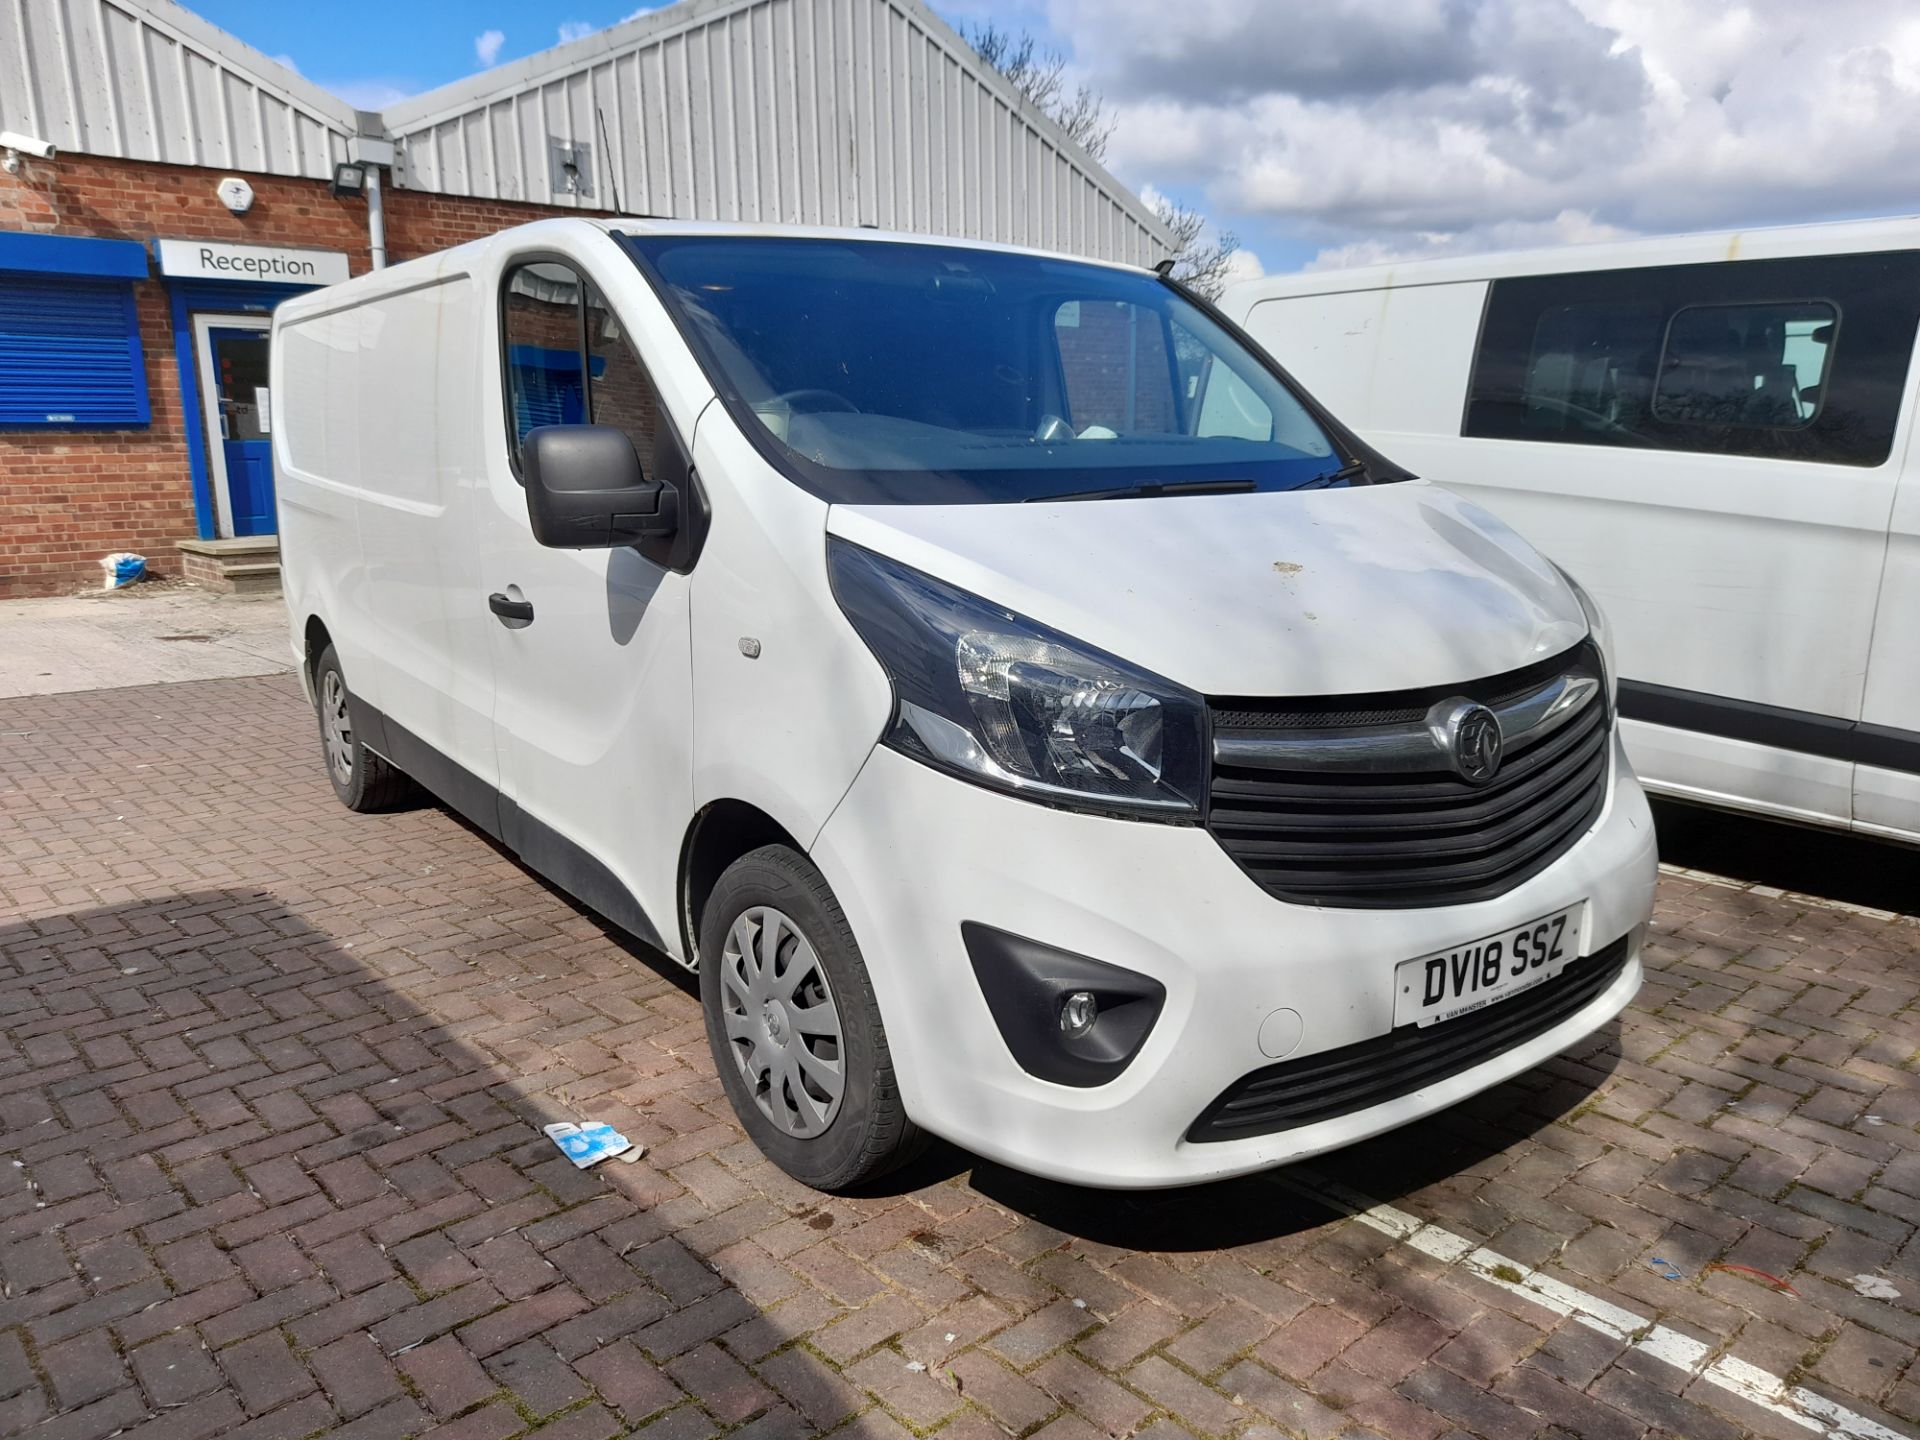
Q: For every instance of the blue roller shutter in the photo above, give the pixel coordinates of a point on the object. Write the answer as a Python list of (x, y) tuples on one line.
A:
[(70, 352)]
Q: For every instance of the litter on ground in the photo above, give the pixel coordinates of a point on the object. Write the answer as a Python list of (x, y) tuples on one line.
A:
[(588, 1144)]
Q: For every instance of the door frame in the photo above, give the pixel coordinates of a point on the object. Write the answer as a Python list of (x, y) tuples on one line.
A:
[(204, 324)]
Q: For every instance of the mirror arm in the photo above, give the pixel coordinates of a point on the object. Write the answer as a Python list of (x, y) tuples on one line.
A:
[(662, 520)]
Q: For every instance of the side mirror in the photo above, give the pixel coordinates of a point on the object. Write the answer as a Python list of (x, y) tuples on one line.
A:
[(585, 490)]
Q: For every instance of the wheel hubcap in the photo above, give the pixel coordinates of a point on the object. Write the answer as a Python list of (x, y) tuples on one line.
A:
[(782, 1025), (336, 728)]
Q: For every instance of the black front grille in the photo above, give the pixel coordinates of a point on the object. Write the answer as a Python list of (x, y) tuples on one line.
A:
[(1358, 840), (1372, 1072)]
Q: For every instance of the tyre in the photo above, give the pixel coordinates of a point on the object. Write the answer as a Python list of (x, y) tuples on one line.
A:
[(794, 1026), (363, 780)]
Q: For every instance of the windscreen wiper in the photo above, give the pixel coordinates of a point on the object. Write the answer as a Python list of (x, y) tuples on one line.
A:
[(1155, 487), (1352, 470)]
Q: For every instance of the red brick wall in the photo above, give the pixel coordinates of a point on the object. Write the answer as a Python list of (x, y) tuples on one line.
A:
[(69, 497)]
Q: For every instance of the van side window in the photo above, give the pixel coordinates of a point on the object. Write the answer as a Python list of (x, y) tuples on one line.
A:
[(1114, 364), (545, 373), (1591, 369), (622, 392), (1745, 364), (1120, 376), (1797, 359)]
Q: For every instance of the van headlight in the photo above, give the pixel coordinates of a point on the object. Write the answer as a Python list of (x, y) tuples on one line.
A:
[(1597, 627), (1001, 700)]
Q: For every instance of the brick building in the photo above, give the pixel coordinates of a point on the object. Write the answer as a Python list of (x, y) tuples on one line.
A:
[(194, 186)]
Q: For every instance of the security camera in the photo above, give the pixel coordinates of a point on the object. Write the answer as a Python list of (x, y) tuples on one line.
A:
[(13, 143)]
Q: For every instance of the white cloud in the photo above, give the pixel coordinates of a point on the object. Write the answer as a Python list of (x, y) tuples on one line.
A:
[(371, 94), (1377, 128), (572, 30), (1569, 227), (1243, 265), (286, 60), (486, 47)]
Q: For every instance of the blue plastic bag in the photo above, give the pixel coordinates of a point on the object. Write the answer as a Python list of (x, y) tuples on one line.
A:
[(123, 567)]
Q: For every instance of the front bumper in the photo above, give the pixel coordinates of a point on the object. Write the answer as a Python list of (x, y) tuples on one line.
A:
[(912, 854)]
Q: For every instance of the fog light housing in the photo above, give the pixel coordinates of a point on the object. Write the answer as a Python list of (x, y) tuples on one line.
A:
[(1066, 1018), (1077, 1014)]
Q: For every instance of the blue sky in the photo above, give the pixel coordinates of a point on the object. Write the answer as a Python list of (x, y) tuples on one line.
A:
[(1340, 132), (367, 49)]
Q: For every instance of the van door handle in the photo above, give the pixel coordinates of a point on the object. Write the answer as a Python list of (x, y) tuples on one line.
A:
[(521, 610)]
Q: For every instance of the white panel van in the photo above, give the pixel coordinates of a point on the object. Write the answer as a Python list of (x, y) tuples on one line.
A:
[(1040, 723), (1714, 433)]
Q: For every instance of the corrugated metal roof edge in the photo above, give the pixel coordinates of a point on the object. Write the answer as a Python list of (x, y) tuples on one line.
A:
[(505, 80), (420, 111)]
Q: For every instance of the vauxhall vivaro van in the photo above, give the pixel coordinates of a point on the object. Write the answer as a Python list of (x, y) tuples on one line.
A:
[(1712, 431), (1041, 723)]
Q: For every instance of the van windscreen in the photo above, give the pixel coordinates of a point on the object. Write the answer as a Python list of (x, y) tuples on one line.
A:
[(893, 372)]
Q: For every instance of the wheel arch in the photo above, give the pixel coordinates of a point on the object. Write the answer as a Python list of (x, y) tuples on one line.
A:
[(720, 834), (317, 638)]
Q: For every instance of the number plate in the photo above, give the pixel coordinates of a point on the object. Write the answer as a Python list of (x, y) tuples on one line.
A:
[(1468, 977)]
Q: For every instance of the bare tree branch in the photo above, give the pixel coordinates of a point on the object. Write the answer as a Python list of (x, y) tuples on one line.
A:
[(1040, 75), (1202, 259)]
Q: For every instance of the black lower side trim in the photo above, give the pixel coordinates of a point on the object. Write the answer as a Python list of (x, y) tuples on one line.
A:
[(575, 870), (538, 845), (451, 783), (1371, 1072), (1853, 741)]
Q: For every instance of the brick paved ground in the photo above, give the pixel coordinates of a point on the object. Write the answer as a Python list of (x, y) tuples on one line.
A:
[(271, 1077)]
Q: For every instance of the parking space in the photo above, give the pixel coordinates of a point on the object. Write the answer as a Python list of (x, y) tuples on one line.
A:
[(272, 1076)]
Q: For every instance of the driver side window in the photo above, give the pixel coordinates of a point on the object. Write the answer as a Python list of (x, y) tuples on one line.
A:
[(620, 392), (545, 366), (568, 361)]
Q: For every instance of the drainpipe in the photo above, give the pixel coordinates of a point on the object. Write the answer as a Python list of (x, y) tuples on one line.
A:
[(376, 153), (376, 220)]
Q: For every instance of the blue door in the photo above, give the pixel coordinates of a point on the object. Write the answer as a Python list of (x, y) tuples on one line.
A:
[(245, 408)]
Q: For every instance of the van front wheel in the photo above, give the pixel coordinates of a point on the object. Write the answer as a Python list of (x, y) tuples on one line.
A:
[(794, 1026), (364, 781)]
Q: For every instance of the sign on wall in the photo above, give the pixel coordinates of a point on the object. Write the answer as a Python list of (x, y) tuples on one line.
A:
[(268, 264)]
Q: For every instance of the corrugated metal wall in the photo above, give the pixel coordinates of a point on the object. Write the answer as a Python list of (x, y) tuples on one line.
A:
[(833, 112), (830, 112), (150, 82)]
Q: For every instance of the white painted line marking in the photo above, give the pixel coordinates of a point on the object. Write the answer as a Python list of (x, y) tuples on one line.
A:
[(1816, 1413)]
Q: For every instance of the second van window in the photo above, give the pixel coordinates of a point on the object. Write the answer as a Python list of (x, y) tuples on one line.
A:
[(1800, 359)]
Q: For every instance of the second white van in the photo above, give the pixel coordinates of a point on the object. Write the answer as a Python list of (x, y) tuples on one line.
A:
[(1040, 723), (1714, 432)]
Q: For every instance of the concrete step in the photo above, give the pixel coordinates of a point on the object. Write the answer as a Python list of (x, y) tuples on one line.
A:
[(244, 565)]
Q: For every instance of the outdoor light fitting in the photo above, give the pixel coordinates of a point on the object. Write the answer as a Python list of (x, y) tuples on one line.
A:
[(349, 180)]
